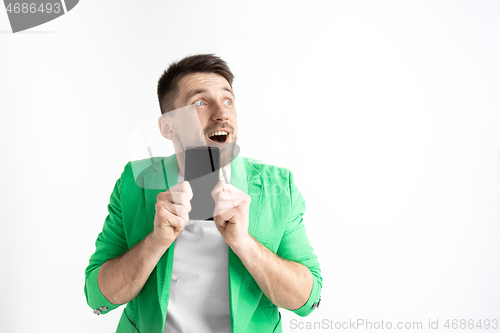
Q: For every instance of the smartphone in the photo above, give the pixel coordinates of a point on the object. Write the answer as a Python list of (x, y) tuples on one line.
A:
[(201, 170)]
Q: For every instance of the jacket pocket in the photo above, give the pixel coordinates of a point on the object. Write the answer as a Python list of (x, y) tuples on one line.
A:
[(125, 325)]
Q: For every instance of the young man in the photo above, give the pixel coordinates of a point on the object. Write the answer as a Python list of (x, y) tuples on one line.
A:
[(180, 275)]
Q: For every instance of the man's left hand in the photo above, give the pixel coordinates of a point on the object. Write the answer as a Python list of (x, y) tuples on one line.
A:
[(231, 213)]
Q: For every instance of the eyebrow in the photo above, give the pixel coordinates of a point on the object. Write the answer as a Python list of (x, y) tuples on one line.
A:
[(200, 91)]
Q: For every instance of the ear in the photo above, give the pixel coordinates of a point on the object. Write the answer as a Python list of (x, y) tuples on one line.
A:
[(165, 128)]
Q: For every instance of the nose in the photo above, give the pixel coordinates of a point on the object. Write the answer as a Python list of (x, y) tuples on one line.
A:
[(220, 114)]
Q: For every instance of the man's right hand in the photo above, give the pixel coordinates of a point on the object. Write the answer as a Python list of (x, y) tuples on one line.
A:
[(172, 208)]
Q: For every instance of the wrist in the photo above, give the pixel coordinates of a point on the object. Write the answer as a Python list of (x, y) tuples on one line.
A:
[(155, 243), (244, 245)]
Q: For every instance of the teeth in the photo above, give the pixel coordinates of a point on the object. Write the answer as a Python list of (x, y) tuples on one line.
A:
[(218, 133)]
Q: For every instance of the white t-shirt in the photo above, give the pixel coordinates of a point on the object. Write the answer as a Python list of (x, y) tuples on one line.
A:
[(199, 290)]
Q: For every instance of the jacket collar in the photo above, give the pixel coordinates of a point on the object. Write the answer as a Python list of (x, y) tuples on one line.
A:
[(240, 173)]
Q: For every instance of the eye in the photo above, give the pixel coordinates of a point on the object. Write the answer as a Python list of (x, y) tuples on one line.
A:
[(199, 103), (227, 102)]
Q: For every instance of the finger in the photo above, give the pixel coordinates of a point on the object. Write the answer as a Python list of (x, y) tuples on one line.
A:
[(169, 218), (232, 189), (221, 185), (178, 210), (180, 198), (183, 187), (240, 206), (234, 200), (181, 211), (223, 206), (220, 227), (220, 223), (227, 196)]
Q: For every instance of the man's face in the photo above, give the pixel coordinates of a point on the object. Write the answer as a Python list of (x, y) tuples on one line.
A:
[(214, 101)]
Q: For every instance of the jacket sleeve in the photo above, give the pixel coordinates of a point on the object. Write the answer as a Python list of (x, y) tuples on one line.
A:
[(295, 246), (110, 244)]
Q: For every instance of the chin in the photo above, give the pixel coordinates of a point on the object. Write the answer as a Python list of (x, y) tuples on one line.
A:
[(226, 155)]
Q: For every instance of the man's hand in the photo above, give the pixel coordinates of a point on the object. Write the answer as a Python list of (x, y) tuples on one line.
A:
[(231, 214), (172, 208), (122, 278), (285, 283)]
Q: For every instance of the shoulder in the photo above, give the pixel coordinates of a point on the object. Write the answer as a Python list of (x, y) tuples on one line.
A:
[(139, 172), (134, 169), (267, 171)]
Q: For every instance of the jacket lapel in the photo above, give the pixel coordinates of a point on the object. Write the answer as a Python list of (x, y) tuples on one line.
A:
[(164, 176), (242, 305), (155, 183)]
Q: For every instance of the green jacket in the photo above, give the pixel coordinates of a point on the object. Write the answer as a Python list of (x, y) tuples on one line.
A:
[(275, 220)]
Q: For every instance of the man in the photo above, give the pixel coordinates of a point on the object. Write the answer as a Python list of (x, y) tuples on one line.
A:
[(180, 275)]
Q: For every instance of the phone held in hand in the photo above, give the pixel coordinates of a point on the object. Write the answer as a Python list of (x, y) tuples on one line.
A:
[(201, 170)]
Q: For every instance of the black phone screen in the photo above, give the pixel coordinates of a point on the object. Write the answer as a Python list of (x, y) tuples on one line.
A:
[(202, 172)]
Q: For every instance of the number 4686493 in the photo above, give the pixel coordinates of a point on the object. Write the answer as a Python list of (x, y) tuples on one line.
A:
[(471, 324), (26, 8)]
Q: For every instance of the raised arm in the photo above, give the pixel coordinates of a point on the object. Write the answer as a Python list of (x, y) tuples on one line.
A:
[(286, 283), (290, 278), (120, 279)]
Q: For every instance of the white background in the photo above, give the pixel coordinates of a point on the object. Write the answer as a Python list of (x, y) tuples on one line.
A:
[(387, 112)]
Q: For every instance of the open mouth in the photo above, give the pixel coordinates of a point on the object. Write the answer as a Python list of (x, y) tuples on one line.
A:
[(219, 136)]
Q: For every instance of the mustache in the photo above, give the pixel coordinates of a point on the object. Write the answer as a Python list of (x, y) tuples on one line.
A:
[(227, 127)]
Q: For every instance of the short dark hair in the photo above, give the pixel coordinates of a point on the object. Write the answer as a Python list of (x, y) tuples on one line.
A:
[(168, 89)]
